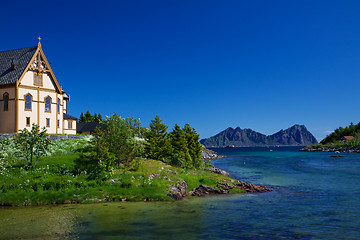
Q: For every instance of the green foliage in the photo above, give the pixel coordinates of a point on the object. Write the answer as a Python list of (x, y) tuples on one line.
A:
[(33, 144), (181, 147), (113, 145), (135, 125), (90, 118), (178, 141), (338, 145), (351, 130), (119, 137), (159, 146), (194, 146)]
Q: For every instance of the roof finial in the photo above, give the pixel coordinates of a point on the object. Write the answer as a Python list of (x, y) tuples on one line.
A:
[(39, 44)]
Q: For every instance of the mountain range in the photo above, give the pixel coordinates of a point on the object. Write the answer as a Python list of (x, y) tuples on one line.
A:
[(296, 135)]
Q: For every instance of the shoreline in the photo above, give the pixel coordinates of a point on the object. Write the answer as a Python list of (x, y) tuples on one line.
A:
[(328, 149)]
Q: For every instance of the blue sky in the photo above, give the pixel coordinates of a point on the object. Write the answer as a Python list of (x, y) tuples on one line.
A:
[(264, 65)]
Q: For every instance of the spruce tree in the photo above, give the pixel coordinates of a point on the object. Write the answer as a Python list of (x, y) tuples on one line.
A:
[(194, 145), (180, 156), (88, 117), (158, 145), (95, 118), (81, 117)]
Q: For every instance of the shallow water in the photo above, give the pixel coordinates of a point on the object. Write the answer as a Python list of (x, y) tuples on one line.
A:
[(317, 198)]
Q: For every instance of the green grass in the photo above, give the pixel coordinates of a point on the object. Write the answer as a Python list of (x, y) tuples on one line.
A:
[(56, 179)]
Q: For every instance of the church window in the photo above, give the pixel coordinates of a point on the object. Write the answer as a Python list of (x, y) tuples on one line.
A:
[(38, 79), (48, 122), (58, 123), (28, 121), (69, 124), (48, 104), (58, 105), (28, 101), (6, 101)]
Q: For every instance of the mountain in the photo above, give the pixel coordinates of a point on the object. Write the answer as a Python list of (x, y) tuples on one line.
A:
[(296, 135)]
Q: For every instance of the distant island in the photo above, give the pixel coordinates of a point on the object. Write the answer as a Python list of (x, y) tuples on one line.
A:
[(342, 139), (296, 135)]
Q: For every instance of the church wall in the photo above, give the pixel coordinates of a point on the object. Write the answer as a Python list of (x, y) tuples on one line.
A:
[(39, 94), (68, 130), (47, 82), (23, 114), (28, 80), (7, 118), (51, 115)]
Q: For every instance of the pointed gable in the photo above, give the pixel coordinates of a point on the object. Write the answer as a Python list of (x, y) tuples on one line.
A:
[(13, 63)]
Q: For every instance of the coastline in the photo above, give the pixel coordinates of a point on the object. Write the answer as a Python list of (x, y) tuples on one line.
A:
[(329, 149), (153, 181)]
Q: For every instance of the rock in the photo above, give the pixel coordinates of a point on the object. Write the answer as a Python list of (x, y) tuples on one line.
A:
[(249, 187), (203, 190), (219, 171), (178, 191), (209, 154)]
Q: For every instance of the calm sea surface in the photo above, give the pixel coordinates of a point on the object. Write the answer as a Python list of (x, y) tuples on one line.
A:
[(318, 197)]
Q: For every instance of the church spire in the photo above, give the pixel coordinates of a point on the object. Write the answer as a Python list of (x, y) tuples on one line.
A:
[(39, 44)]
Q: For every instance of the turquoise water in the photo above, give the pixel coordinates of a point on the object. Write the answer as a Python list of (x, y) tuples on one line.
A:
[(317, 197)]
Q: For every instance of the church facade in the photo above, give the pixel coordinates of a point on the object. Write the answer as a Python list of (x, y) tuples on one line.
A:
[(31, 94)]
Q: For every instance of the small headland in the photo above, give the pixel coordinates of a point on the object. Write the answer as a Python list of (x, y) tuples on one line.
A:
[(324, 148)]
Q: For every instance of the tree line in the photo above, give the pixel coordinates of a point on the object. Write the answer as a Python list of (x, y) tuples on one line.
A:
[(351, 130), (114, 145), (87, 117)]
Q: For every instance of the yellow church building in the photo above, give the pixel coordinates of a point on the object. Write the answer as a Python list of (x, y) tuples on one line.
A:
[(30, 93)]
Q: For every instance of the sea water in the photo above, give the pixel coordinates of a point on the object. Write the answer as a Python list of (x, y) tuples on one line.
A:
[(314, 196)]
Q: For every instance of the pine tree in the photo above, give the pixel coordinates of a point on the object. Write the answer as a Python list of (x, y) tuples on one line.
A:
[(88, 117), (81, 117), (158, 147), (194, 145), (95, 118), (100, 118), (180, 156)]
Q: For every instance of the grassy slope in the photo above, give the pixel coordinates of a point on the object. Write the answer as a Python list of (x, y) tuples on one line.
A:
[(55, 180)]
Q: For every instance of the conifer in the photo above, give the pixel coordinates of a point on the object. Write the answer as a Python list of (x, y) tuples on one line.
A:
[(159, 146), (193, 145)]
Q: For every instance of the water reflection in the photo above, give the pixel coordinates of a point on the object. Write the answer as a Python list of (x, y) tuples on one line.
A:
[(317, 198)]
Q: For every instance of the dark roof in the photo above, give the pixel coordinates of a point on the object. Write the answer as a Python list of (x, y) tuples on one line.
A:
[(67, 116), (86, 126), (20, 58)]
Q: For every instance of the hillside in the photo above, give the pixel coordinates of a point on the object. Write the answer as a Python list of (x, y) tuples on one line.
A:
[(296, 135)]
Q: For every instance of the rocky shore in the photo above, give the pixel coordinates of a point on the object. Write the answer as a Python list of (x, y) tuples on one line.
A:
[(329, 149), (209, 154), (178, 191)]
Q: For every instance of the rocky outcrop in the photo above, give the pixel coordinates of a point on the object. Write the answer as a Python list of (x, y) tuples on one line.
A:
[(249, 187), (178, 191), (220, 171), (296, 135), (224, 188), (210, 154), (203, 190)]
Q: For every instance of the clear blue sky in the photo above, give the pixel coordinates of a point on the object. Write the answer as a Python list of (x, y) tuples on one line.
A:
[(264, 65)]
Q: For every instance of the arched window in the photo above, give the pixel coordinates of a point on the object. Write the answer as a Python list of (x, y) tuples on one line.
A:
[(6, 101), (48, 104), (28, 101)]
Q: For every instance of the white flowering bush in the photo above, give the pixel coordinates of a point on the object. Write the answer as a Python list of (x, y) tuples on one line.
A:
[(9, 154), (69, 146)]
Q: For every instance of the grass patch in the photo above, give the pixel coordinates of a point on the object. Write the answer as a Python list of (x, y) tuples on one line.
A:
[(56, 179)]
